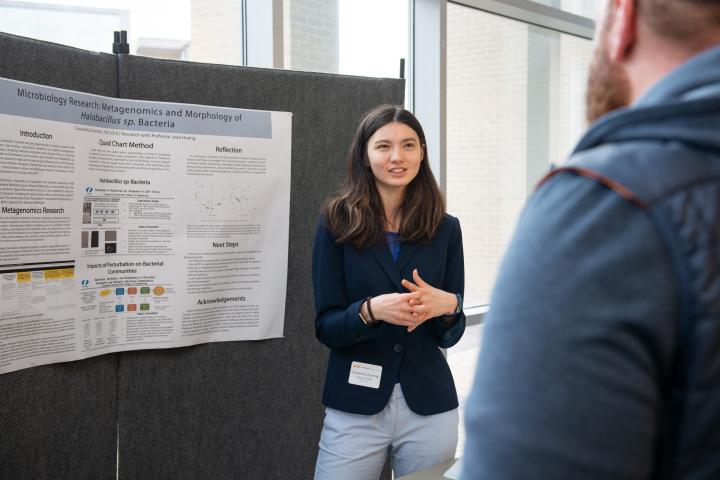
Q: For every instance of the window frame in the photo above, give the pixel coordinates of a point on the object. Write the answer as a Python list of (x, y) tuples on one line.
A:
[(429, 62)]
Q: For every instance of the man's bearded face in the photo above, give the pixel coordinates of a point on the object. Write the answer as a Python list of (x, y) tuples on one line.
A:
[(608, 84)]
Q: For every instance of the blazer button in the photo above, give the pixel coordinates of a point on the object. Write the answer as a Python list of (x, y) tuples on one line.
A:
[(398, 348)]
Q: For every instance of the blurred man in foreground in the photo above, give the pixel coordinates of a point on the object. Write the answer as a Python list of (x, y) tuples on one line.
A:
[(601, 351)]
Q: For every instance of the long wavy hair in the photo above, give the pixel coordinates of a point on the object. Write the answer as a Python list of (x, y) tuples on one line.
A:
[(355, 214)]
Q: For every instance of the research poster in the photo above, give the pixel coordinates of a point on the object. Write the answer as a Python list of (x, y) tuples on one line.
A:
[(130, 225)]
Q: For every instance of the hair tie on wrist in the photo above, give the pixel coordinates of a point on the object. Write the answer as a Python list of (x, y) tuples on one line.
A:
[(372, 317)]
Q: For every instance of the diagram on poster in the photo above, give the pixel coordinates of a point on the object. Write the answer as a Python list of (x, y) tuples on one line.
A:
[(131, 224)]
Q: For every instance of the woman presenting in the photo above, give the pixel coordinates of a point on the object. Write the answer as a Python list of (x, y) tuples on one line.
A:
[(388, 280)]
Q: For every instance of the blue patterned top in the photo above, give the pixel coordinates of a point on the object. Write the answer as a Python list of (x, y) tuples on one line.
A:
[(393, 239)]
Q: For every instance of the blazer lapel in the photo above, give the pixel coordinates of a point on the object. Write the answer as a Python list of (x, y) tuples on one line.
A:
[(382, 254), (406, 251)]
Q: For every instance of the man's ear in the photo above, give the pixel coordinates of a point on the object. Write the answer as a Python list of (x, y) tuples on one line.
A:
[(622, 32)]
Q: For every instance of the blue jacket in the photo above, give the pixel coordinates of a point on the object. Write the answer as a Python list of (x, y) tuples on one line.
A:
[(601, 351), (343, 277)]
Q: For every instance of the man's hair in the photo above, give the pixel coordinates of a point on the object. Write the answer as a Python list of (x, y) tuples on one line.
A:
[(688, 23)]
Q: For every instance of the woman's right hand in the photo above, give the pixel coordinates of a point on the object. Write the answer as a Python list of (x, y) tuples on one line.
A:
[(394, 308)]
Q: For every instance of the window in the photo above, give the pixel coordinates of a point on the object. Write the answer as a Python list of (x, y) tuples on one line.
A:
[(367, 37), (200, 30), (515, 105), (584, 8), (352, 37)]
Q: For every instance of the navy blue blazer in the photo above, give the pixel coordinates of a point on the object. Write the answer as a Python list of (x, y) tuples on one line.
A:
[(343, 277)]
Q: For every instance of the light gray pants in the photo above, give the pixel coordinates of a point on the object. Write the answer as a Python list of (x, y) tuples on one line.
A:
[(354, 447)]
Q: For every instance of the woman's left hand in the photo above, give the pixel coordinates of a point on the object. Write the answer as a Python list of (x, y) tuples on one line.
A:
[(431, 303)]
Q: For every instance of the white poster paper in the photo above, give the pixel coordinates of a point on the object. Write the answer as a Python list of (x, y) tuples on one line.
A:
[(130, 225)]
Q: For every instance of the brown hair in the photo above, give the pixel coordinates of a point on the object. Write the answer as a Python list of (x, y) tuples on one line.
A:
[(355, 214), (692, 24)]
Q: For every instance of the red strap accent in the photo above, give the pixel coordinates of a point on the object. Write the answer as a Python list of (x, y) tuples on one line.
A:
[(616, 187)]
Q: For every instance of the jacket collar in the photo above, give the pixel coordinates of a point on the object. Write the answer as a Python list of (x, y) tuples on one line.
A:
[(382, 254)]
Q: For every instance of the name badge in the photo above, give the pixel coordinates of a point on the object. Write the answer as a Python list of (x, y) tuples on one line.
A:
[(365, 375)]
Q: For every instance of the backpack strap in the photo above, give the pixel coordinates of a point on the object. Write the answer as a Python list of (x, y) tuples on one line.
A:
[(613, 185), (667, 438)]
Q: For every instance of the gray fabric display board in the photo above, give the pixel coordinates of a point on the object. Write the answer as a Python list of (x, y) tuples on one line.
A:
[(59, 421), (249, 410)]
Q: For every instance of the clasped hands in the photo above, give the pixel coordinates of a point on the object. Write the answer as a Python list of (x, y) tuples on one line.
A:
[(411, 309)]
